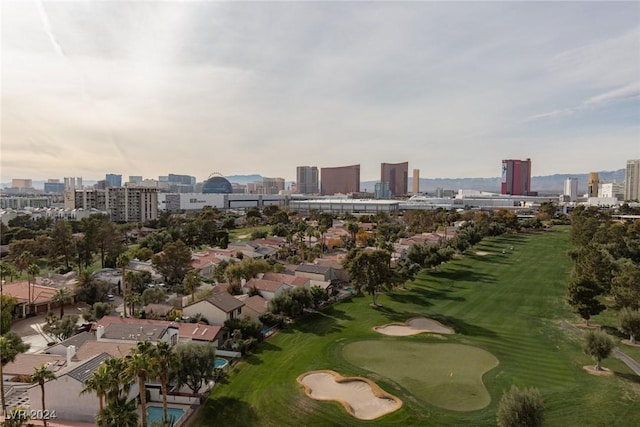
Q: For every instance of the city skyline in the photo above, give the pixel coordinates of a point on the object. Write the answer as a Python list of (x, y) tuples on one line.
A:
[(141, 87)]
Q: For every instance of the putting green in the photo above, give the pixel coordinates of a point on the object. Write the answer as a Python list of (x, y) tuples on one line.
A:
[(444, 375)]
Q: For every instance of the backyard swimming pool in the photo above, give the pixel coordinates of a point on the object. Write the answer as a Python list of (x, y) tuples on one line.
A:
[(154, 413), (220, 363)]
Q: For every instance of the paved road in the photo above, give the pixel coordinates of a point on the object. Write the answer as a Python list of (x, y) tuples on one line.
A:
[(625, 358)]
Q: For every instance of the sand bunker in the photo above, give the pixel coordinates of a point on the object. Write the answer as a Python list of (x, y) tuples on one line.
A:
[(361, 397), (481, 253), (602, 372), (412, 327)]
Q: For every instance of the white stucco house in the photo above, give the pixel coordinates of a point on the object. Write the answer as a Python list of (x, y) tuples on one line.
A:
[(216, 308), (63, 393)]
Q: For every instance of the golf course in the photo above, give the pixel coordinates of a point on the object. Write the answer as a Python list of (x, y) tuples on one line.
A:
[(505, 300)]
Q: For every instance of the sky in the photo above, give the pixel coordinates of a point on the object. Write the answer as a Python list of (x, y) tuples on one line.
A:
[(158, 87)]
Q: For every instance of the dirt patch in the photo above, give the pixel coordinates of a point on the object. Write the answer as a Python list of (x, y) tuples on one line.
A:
[(585, 326), (482, 253), (413, 326), (604, 372), (362, 398), (627, 342)]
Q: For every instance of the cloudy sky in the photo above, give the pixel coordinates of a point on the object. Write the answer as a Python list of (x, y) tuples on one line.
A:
[(152, 88)]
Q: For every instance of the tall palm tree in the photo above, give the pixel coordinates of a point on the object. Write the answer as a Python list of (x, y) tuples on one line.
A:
[(40, 376), (123, 262), (132, 299), (134, 280), (32, 271), (100, 382), (24, 260), (62, 296), (10, 345), (119, 379), (191, 282), (143, 365), (120, 412), (166, 360)]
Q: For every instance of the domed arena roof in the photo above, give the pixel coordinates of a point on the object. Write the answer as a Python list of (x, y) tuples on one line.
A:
[(217, 184)]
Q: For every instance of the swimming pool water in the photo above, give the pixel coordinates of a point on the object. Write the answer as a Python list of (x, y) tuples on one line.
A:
[(154, 413), (220, 362)]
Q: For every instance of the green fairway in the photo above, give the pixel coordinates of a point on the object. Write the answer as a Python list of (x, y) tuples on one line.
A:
[(445, 375), (244, 234), (510, 305)]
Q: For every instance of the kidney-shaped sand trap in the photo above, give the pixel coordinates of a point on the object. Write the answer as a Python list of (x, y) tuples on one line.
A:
[(361, 397), (413, 326)]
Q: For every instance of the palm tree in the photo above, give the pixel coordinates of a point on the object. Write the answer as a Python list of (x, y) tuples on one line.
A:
[(123, 262), (132, 299), (100, 382), (134, 280), (10, 345), (191, 283), (120, 412), (119, 379), (61, 297), (24, 260), (40, 376), (32, 271), (166, 360), (7, 270), (143, 365)]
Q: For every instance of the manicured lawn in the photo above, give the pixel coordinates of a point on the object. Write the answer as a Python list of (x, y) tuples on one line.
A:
[(510, 305), (446, 375), (244, 234)]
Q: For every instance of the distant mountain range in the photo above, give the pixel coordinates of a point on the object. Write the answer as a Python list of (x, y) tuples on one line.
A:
[(549, 184)]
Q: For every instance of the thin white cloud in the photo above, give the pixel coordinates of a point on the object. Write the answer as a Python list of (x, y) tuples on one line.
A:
[(620, 94), (616, 95), (47, 28)]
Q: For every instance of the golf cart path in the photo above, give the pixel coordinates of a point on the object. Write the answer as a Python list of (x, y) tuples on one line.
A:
[(626, 359)]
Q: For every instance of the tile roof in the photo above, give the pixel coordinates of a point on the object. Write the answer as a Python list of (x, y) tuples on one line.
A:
[(92, 348), (84, 371), (313, 268), (266, 285), (257, 304), (26, 363), (20, 291), (78, 339), (199, 332), (289, 279), (224, 301)]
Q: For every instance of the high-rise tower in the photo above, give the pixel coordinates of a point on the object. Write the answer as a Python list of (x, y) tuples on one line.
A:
[(416, 181), (571, 189), (307, 179), (594, 181), (516, 177), (342, 179), (396, 177), (632, 180)]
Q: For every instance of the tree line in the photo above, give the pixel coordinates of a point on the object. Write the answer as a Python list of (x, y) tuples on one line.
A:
[(606, 257)]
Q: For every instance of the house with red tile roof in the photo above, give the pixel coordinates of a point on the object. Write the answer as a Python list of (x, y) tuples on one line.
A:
[(254, 307), (41, 297), (288, 279), (269, 289)]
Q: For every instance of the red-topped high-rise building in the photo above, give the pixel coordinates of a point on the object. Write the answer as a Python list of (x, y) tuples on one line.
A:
[(516, 177)]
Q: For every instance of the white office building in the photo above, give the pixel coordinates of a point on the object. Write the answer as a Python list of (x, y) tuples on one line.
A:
[(571, 189)]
